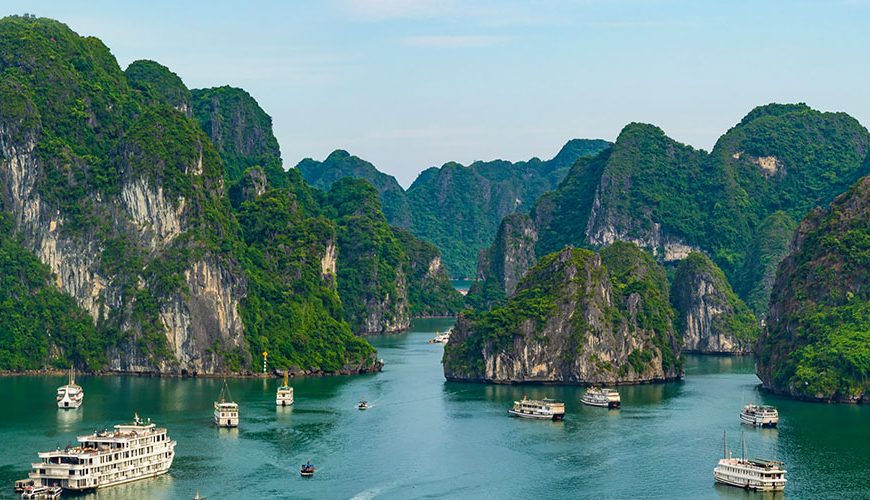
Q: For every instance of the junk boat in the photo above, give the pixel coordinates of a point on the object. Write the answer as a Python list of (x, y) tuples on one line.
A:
[(131, 452), (545, 409), (759, 415), (70, 395), (226, 411), (605, 398), (42, 492), (363, 405), (751, 474), (284, 397), (307, 469)]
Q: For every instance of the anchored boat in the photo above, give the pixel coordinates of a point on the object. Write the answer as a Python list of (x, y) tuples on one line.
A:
[(226, 411), (307, 469), (70, 395), (605, 398), (131, 452), (751, 474), (759, 415), (284, 397), (363, 405), (544, 409)]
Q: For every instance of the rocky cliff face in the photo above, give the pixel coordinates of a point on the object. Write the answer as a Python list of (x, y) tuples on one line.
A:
[(710, 317), (241, 131), (577, 317), (501, 266), (817, 341), (673, 199), (109, 183)]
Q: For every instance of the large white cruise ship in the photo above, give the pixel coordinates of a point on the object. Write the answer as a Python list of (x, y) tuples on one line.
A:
[(107, 458)]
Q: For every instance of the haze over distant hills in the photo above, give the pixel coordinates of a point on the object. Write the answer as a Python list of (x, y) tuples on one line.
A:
[(456, 207)]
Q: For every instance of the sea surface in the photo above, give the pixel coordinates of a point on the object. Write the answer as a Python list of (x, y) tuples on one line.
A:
[(427, 438)]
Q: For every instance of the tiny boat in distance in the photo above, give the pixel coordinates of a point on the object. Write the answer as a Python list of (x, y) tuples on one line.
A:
[(759, 415), (70, 395), (226, 411), (198, 497), (605, 398), (440, 338), (751, 474), (284, 396), (363, 405), (307, 469), (544, 409)]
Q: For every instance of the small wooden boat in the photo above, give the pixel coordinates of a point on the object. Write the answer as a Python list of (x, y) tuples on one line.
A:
[(22, 484), (307, 469), (363, 405)]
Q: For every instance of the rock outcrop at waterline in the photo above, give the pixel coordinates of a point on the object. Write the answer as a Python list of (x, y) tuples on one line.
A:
[(577, 317), (710, 317), (817, 341)]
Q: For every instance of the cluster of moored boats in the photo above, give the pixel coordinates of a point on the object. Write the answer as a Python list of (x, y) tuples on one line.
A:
[(129, 452), (140, 449), (752, 474)]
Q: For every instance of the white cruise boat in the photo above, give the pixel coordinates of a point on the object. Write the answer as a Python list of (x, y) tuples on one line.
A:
[(605, 398), (284, 396), (545, 409), (440, 338), (226, 411), (70, 395), (131, 452), (759, 415), (751, 474)]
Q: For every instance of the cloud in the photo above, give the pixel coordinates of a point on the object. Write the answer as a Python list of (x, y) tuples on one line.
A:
[(454, 41)]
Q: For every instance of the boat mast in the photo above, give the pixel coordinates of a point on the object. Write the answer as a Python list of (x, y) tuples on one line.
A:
[(285, 378), (743, 444), (724, 444)]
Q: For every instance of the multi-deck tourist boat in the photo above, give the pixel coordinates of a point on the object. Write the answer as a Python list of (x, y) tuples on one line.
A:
[(284, 397), (131, 452), (751, 474), (70, 395), (226, 411), (545, 409), (759, 415), (606, 398)]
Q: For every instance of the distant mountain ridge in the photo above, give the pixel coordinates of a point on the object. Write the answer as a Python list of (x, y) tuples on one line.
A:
[(456, 207)]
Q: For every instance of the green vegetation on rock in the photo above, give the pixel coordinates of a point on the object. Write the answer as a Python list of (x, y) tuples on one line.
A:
[(710, 316), (241, 131), (817, 342), (158, 84), (576, 317)]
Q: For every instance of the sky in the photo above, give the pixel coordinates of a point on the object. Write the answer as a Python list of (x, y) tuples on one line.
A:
[(412, 84)]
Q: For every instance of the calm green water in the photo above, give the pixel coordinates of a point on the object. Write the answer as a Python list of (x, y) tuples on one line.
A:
[(424, 437)]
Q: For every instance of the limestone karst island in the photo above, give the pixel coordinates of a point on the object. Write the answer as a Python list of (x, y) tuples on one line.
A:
[(434, 249)]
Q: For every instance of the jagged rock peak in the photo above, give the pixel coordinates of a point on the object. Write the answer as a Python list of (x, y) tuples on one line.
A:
[(710, 317)]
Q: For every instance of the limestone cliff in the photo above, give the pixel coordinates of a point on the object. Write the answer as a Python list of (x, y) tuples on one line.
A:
[(817, 341), (577, 317), (501, 266), (710, 317)]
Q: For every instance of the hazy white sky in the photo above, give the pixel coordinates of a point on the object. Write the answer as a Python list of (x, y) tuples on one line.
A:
[(416, 83)]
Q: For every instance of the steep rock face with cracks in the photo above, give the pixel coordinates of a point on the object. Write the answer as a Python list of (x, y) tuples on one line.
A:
[(577, 317)]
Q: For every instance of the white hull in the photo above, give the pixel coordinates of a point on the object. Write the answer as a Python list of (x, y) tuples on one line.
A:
[(283, 402), (758, 421), (599, 403), (745, 483), (537, 416)]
